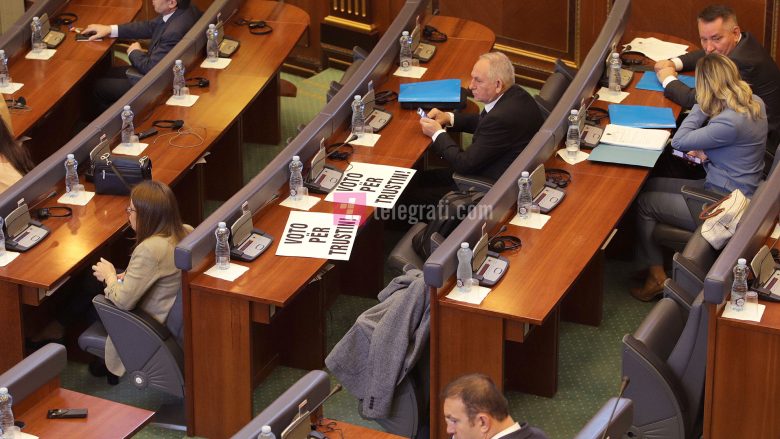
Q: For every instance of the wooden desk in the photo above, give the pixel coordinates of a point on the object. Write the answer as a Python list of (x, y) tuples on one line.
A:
[(221, 313), (557, 273), (342, 430), (746, 375), (105, 418), (47, 83), (75, 241)]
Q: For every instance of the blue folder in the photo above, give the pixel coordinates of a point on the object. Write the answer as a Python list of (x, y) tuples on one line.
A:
[(624, 155), (443, 90), (641, 116), (649, 81)]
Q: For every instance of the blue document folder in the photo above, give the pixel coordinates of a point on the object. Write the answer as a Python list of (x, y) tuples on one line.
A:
[(444, 90), (624, 155), (649, 81), (641, 116)]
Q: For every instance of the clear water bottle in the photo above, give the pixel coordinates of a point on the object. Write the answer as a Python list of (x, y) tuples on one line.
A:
[(406, 50), (212, 48), (573, 135), (266, 433), (6, 413), (296, 178), (5, 77), (524, 199), (128, 130), (464, 272), (614, 73), (358, 116), (739, 288), (178, 79), (2, 237), (36, 38), (72, 187), (222, 250)]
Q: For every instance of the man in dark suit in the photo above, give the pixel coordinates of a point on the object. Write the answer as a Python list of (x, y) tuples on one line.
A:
[(175, 18), (501, 131), (720, 33), (475, 409)]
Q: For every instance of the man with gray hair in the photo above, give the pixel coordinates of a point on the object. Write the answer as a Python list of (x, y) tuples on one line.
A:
[(501, 131)]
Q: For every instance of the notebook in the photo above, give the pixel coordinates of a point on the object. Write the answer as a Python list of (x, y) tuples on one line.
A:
[(649, 81), (443, 90), (641, 116)]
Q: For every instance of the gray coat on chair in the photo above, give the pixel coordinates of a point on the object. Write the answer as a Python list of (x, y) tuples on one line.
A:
[(384, 344)]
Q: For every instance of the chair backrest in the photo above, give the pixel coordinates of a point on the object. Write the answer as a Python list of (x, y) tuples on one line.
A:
[(551, 92), (175, 320), (614, 417), (314, 387), (34, 371)]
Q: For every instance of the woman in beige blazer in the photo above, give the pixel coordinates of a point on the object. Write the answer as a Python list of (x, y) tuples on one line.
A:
[(14, 158), (151, 280)]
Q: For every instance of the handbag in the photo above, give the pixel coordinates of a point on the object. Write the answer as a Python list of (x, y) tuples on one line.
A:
[(722, 217), (117, 176)]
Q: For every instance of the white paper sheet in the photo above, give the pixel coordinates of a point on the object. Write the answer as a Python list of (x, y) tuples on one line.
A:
[(534, 221), (365, 139), (318, 235), (12, 88), (474, 296), (305, 203), (776, 232), (42, 55), (644, 138), (656, 49), (219, 64), (134, 149), (581, 156), (80, 200), (7, 257), (367, 184), (232, 273), (607, 95), (751, 312), (186, 101), (413, 72)]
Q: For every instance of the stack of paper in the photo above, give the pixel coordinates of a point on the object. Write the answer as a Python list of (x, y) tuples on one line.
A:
[(635, 137), (656, 49)]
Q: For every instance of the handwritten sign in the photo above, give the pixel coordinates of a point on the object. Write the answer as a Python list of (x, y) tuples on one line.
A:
[(377, 185), (319, 235)]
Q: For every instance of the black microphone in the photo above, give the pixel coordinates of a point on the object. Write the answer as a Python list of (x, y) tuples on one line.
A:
[(623, 386)]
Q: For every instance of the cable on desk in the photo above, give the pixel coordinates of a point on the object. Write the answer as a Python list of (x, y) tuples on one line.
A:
[(181, 132), (330, 427)]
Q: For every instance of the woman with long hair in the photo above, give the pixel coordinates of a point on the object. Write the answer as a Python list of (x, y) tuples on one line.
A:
[(15, 160), (727, 130)]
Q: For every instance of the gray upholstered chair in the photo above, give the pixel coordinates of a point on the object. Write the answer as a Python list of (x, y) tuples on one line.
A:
[(314, 387), (151, 352), (35, 370), (690, 267), (665, 359), (553, 88), (676, 238), (614, 417), (358, 56)]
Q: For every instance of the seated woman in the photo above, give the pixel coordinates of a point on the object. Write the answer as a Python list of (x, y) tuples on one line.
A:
[(727, 130), (15, 160), (151, 280)]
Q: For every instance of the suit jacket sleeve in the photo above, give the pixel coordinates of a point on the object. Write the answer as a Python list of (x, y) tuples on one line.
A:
[(142, 272), (138, 30), (690, 59), (693, 134), (465, 122), (678, 92)]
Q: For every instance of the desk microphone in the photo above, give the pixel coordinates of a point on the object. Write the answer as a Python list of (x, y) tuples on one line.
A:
[(623, 386)]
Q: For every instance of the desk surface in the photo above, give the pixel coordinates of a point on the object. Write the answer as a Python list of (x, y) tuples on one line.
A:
[(105, 418), (342, 430), (47, 82)]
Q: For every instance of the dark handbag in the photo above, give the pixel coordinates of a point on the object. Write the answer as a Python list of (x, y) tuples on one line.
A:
[(117, 176)]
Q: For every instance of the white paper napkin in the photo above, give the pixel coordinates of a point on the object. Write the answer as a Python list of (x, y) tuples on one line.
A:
[(186, 101), (12, 88), (413, 72), (607, 95), (42, 55), (581, 156), (366, 139), (534, 221), (80, 200), (130, 148), (305, 203), (232, 273), (7, 257), (474, 296), (219, 64)]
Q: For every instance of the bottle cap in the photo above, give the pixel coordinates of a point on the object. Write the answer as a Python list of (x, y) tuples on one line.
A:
[(2, 52), (405, 33), (464, 245), (212, 26), (358, 97), (127, 108), (524, 174), (615, 55), (178, 62), (742, 261), (221, 224), (70, 156), (35, 19), (3, 390), (574, 112), (266, 429), (296, 158)]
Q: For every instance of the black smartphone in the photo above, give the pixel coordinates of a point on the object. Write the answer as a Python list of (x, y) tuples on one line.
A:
[(148, 133), (66, 413), (681, 155)]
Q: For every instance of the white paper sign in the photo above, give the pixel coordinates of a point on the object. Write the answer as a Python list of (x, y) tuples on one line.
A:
[(371, 185), (318, 235)]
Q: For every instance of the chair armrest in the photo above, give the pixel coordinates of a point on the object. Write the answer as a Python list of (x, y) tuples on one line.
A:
[(696, 198), (472, 182), (661, 329), (34, 371), (688, 277), (158, 328), (674, 291)]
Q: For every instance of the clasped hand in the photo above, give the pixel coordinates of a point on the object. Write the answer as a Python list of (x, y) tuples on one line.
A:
[(104, 271)]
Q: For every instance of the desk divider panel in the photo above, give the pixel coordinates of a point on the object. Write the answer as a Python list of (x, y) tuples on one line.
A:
[(503, 195), (265, 185), (147, 92), (753, 229), (18, 36)]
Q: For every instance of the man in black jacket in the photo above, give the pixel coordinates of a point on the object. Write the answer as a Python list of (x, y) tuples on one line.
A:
[(175, 18), (501, 131), (720, 33)]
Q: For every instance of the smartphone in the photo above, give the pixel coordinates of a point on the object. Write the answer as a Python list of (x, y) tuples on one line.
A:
[(421, 112), (66, 413), (684, 156)]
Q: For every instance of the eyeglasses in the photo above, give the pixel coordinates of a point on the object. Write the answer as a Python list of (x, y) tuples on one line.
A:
[(129, 210)]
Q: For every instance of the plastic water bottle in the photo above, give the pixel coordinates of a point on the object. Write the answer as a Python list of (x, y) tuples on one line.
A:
[(573, 135), (5, 77), (2, 237), (524, 199), (464, 267), (36, 38), (296, 178), (212, 48), (406, 50), (178, 79), (222, 251), (6, 413), (266, 433), (358, 116), (128, 130), (739, 288), (614, 73), (72, 186)]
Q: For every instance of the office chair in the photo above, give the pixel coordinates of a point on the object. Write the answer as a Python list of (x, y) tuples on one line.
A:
[(690, 267), (358, 56), (665, 359), (151, 352), (34, 371), (615, 417), (553, 88)]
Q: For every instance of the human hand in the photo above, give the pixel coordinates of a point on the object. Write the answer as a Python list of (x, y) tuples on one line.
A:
[(429, 126), (439, 116), (96, 31), (663, 64), (134, 46), (698, 153), (104, 271), (665, 73)]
